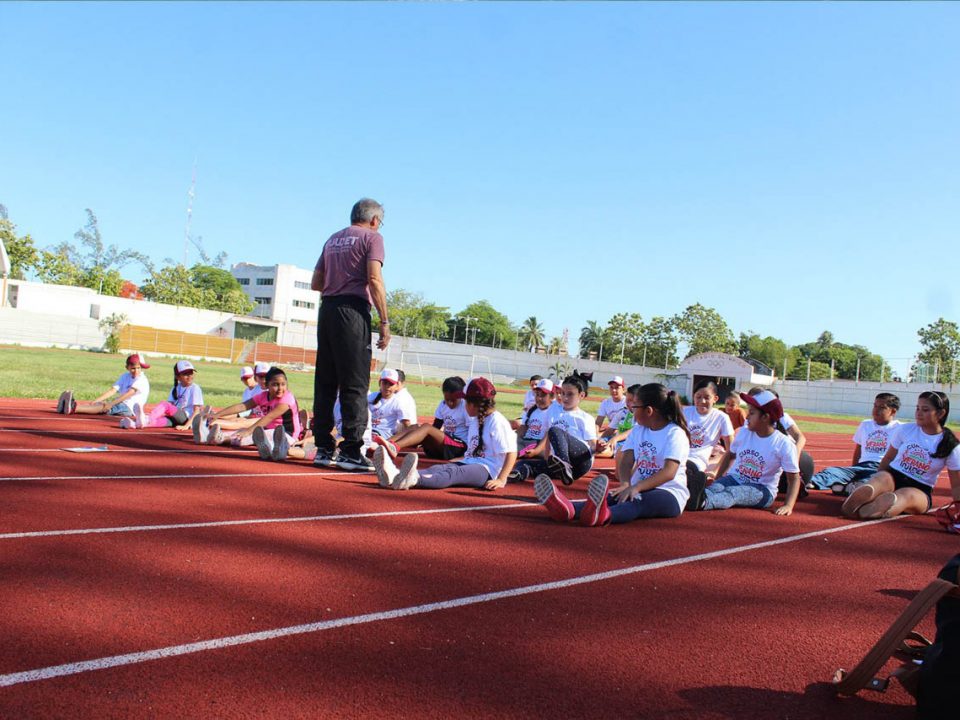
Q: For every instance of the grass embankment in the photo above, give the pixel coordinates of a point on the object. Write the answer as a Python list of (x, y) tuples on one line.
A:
[(46, 372)]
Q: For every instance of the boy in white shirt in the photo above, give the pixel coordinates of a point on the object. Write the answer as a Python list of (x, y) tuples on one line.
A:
[(871, 441)]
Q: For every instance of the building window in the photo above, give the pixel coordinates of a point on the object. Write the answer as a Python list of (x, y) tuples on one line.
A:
[(264, 281), (243, 281), (300, 285), (304, 304), (263, 300)]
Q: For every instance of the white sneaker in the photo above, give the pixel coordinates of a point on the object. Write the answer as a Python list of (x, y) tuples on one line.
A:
[(264, 446), (201, 431), (407, 477), (281, 446), (61, 402), (384, 467), (128, 423), (138, 419), (215, 435)]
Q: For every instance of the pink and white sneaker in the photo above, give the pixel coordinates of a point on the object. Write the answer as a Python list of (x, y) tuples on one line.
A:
[(554, 501), (128, 423), (386, 445), (595, 511)]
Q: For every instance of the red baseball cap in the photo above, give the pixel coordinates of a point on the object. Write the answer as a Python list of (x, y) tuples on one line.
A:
[(479, 389), (139, 360), (765, 401)]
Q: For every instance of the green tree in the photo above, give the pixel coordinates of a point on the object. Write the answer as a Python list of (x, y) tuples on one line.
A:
[(532, 334), (659, 342), (413, 316), (703, 329), (172, 285), (21, 251), (220, 290), (486, 322), (769, 350), (593, 338), (941, 349)]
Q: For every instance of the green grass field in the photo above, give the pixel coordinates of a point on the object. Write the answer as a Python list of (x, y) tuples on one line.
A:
[(46, 372)]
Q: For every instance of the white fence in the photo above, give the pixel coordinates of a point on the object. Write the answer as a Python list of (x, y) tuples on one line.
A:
[(18, 327)]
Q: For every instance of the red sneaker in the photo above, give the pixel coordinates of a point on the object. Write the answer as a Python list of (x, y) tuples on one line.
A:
[(596, 512), (555, 503)]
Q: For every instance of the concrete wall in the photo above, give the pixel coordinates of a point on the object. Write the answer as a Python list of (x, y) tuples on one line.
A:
[(20, 327), (851, 398)]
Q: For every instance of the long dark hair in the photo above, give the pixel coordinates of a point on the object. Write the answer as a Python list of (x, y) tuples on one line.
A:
[(664, 401), (579, 381), (484, 407), (941, 403)]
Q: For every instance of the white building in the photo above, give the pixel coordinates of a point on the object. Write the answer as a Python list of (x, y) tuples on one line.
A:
[(282, 293)]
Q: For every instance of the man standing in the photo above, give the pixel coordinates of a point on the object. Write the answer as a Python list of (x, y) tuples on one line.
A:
[(348, 276)]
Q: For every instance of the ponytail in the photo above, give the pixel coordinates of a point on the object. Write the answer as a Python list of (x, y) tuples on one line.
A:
[(665, 402), (174, 393), (941, 401)]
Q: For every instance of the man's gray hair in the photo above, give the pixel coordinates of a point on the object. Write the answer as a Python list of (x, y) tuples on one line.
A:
[(366, 210)]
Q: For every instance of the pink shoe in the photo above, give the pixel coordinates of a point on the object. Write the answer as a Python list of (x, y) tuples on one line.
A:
[(596, 512), (554, 501)]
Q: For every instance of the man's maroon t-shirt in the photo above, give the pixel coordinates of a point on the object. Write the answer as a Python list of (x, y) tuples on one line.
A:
[(344, 261)]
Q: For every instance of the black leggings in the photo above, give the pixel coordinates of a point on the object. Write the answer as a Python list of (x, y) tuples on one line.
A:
[(573, 451)]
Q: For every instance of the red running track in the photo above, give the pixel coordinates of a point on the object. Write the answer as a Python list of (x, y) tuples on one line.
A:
[(273, 590)]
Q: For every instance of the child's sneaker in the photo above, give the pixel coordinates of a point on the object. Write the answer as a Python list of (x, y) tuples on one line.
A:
[(386, 445), (215, 436), (553, 501), (138, 418), (68, 404), (62, 402), (595, 511), (384, 467), (128, 423), (359, 463), (281, 446), (518, 474), (407, 477), (856, 499), (560, 470), (201, 431), (263, 445)]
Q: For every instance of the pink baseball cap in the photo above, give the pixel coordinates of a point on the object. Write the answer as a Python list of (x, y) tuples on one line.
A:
[(544, 385), (390, 376), (246, 372), (183, 366), (765, 401)]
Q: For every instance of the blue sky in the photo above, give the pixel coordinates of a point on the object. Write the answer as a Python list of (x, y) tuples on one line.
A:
[(794, 166)]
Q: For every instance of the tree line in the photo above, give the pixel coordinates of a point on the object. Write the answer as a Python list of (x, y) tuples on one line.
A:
[(89, 262), (625, 337)]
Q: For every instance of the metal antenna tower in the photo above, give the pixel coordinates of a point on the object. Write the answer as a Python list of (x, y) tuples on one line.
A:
[(190, 194)]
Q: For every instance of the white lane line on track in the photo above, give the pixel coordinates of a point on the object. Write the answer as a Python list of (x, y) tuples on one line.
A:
[(259, 521), (134, 658), (315, 473)]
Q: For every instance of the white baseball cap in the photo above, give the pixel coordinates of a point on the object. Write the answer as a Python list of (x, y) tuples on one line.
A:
[(544, 385), (390, 375), (616, 380), (246, 372), (261, 368)]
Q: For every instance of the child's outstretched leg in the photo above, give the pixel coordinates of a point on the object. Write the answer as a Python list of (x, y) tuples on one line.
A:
[(877, 485), (595, 511), (726, 492), (908, 500), (554, 502), (570, 457), (158, 416)]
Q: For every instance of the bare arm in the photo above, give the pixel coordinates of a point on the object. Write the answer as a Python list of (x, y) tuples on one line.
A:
[(954, 483), (887, 458), (793, 490), (316, 282), (378, 293), (725, 463), (798, 437), (856, 455), (500, 480)]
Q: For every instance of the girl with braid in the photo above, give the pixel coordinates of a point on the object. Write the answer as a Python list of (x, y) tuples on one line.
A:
[(489, 457)]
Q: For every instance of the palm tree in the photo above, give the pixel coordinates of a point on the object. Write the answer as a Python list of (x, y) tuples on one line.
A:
[(531, 333), (592, 337)]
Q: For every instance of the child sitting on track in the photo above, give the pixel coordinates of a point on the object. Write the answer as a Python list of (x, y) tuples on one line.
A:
[(610, 415), (491, 450), (571, 439), (388, 414), (759, 454), (653, 459), (446, 438), (536, 421), (178, 410), (909, 469), (731, 406), (529, 400), (279, 413), (131, 388), (708, 427), (789, 427), (871, 441)]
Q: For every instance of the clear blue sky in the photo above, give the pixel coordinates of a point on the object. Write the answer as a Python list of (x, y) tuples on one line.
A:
[(794, 166)]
